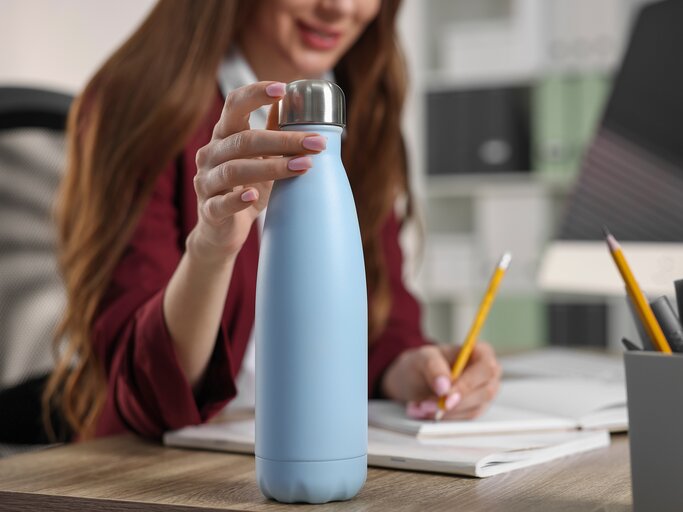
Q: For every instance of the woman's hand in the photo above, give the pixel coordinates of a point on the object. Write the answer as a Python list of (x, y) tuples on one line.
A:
[(235, 172), (420, 376), (236, 169)]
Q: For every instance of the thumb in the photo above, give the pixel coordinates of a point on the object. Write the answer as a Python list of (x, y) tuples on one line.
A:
[(273, 117)]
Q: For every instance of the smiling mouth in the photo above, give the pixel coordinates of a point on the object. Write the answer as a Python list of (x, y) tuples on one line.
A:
[(318, 38)]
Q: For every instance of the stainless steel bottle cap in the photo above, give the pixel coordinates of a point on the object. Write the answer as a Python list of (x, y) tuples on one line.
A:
[(312, 102)]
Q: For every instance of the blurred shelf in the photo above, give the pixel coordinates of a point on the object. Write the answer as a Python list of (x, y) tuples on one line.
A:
[(446, 80), (466, 185)]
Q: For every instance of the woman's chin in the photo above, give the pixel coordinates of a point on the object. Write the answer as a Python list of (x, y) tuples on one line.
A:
[(314, 66)]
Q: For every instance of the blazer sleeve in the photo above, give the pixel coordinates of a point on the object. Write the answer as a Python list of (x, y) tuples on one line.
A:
[(144, 379), (402, 330)]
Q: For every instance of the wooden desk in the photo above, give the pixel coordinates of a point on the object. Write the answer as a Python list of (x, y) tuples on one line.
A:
[(126, 473)]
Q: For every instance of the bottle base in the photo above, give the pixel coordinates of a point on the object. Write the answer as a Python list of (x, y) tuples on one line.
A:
[(311, 481)]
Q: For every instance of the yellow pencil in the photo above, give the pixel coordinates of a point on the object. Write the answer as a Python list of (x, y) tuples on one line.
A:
[(479, 319), (645, 313)]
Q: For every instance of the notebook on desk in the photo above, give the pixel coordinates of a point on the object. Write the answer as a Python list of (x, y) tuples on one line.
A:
[(523, 405), (562, 362), (478, 456)]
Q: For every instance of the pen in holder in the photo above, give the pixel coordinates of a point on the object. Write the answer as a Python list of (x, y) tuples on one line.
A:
[(642, 333), (667, 319), (654, 381)]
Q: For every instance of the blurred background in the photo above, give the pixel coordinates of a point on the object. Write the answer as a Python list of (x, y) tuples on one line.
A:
[(505, 99)]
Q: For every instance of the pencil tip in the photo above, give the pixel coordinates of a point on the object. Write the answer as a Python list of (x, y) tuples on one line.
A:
[(611, 241), (439, 414)]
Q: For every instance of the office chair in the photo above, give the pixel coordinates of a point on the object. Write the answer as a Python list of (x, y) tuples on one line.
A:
[(32, 151)]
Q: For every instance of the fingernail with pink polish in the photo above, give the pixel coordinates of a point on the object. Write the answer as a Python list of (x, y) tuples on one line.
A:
[(315, 143), (248, 196), (428, 407), (452, 401), (275, 90), (300, 164), (441, 385), (413, 411)]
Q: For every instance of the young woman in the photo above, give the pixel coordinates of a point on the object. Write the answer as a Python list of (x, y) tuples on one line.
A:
[(165, 180)]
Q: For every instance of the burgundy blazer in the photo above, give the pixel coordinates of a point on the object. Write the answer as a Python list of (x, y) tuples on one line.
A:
[(147, 391)]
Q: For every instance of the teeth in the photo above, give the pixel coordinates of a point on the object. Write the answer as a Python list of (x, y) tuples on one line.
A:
[(322, 35)]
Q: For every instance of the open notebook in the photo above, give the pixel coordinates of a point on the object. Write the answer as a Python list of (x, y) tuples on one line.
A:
[(524, 405), (478, 456), (562, 362)]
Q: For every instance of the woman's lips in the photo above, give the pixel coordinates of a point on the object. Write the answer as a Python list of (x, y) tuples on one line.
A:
[(318, 38)]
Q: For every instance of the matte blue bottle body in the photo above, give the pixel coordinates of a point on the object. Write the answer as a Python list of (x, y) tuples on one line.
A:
[(311, 336)]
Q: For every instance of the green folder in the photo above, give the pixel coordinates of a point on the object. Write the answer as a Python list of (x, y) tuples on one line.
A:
[(549, 130), (593, 90), (565, 111), (516, 323)]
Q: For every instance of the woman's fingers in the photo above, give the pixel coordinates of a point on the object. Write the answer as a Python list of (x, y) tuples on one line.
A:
[(472, 391), (255, 143), (434, 366), (235, 173), (242, 102), (475, 401), (272, 123), (426, 409), (218, 209), (435, 369), (236, 169), (481, 369)]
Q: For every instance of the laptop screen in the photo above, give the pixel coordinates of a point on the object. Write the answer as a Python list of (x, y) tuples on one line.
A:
[(631, 177)]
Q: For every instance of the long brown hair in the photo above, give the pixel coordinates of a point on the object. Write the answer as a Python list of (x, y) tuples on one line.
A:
[(138, 111)]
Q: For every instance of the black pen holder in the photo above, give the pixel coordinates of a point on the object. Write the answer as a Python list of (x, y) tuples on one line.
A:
[(654, 385)]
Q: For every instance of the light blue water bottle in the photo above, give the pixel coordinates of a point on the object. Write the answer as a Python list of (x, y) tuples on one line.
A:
[(311, 320)]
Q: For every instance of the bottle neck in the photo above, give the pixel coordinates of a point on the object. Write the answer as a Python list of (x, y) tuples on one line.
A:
[(330, 131)]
